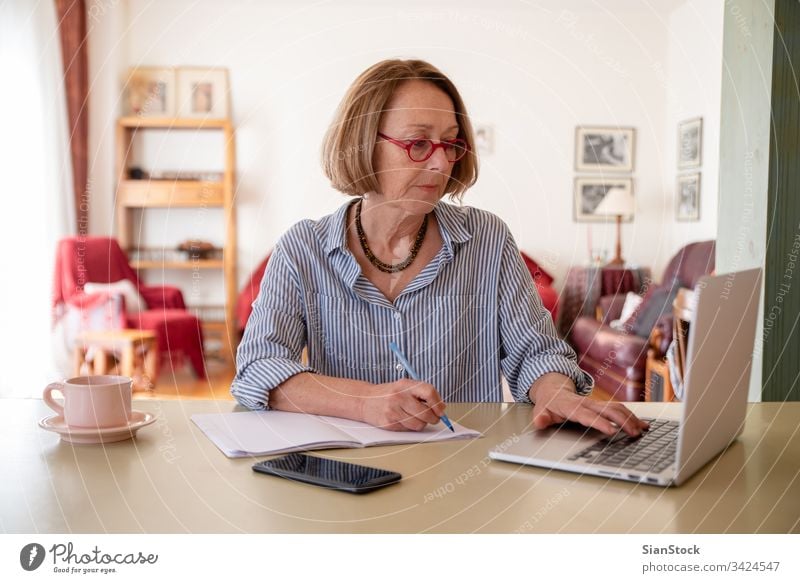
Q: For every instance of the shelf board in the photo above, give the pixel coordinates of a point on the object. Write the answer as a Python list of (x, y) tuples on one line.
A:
[(161, 182), (174, 123), (210, 315), (199, 264), (171, 193)]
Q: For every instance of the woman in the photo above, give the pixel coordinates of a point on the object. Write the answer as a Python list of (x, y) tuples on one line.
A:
[(445, 282)]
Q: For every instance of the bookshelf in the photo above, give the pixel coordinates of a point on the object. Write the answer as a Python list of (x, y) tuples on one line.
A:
[(134, 195)]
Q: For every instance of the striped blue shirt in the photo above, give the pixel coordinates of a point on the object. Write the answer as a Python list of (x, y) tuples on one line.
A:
[(472, 314)]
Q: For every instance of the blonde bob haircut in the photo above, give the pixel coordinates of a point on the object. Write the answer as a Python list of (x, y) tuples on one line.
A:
[(350, 140)]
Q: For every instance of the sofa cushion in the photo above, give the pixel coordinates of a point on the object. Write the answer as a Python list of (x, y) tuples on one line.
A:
[(606, 345), (632, 302), (691, 263), (657, 302), (133, 299)]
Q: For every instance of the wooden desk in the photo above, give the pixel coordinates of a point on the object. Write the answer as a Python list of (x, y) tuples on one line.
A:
[(172, 479)]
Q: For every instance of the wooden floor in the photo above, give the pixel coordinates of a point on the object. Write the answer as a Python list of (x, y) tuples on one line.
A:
[(181, 383)]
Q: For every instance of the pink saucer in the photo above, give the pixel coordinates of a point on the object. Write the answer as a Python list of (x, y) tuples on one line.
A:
[(86, 435)]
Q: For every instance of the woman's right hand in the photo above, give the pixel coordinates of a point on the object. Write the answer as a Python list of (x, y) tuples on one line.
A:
[(404, 405)]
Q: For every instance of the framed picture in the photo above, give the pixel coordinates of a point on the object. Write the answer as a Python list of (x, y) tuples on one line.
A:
[(604, 149), (590, 192), (688, 195), (150, 92), (690, 143), (202, 92)]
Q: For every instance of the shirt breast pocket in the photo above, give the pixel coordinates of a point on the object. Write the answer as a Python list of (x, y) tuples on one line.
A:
[(459, 332), (343, 336)]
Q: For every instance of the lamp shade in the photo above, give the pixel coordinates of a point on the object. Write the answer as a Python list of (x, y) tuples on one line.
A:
[(617, 201)]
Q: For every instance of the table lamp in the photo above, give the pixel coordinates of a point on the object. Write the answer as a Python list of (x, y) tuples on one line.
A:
[(618, 202)]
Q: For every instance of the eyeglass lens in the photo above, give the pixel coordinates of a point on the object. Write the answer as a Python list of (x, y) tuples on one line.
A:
[(421, 150)]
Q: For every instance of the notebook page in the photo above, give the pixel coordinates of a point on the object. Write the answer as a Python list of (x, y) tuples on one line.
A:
[(268, 432), (368, 435)]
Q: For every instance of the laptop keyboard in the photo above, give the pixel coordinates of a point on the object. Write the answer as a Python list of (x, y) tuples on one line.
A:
[(653, 451)]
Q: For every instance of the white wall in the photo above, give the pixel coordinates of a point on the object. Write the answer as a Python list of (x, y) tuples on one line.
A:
[(533, 72), (107, 53), (694, 74)]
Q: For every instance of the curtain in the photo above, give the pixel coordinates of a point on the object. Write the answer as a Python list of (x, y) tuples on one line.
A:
[(71, 15), (37, 203)]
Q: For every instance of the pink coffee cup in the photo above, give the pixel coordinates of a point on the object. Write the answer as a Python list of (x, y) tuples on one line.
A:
[(93, 401)]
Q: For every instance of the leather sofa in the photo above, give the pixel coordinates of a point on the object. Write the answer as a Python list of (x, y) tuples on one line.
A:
[(617, 358)]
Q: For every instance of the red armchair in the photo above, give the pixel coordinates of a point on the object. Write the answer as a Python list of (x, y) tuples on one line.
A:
[(617, 358), (544, 285), (244, 303), (80, 260)]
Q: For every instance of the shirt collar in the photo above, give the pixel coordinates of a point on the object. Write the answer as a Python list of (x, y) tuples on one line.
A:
[(334, 231), (452, 223), (451, 219)]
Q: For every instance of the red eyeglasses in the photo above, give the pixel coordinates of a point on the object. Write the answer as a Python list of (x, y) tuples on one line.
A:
[(421, 149)]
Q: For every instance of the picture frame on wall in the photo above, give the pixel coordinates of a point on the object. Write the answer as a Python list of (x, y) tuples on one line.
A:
[(149, 92), (690, 143), (203, 92), (688, 197), (589, 192), (604, 149)]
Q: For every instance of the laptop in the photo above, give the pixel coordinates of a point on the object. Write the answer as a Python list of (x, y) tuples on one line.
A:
[(719, 355)]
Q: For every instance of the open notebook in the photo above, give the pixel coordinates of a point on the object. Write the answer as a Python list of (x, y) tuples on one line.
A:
[(272, 432)]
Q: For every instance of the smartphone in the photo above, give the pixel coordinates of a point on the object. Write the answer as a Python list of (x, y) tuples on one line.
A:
[(328, 473)]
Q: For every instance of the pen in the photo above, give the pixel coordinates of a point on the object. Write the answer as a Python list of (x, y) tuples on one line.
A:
[(413, 374)]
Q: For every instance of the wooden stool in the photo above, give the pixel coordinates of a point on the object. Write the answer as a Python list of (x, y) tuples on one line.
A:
[(137, 350)]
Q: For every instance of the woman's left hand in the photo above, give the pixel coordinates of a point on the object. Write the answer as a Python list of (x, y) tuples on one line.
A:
[(556, 401)]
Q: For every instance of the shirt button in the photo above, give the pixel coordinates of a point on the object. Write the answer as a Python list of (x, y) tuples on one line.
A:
[(397, 315), (399, 367)]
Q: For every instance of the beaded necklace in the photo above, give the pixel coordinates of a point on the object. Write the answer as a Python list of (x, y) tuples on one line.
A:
[(385, 267)]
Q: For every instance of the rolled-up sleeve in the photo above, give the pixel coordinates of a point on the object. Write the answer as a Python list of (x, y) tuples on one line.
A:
[(530, 346), (274, 337)]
